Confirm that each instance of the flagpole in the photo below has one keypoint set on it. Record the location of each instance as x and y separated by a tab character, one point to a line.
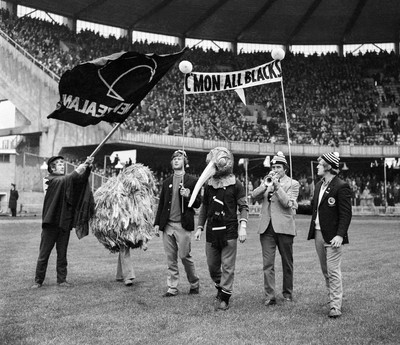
97	149
287	129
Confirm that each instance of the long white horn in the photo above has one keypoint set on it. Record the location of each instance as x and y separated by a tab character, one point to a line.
207	173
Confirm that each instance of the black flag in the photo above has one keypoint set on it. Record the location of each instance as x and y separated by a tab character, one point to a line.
109	88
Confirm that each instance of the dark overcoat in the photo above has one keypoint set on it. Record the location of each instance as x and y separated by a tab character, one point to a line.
12	202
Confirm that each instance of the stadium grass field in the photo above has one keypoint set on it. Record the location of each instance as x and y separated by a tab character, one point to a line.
99	310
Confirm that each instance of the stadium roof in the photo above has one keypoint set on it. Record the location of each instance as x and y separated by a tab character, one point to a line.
287	22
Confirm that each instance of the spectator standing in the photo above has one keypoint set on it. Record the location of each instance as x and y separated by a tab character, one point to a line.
12	202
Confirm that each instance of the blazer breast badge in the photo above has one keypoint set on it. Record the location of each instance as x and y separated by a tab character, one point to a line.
331	201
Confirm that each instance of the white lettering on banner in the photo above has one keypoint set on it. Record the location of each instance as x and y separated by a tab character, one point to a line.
197	82
94	109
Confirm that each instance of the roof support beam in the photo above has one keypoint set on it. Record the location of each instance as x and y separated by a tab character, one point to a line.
303	21
150	13
353	19
89	7
206	15
255	19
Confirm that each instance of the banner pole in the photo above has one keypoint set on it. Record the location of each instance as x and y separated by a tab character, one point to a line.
183	120
183	137
287	129
97	149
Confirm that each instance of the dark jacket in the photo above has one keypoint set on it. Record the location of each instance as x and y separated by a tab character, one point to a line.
234	200
60	200
164	205
334	210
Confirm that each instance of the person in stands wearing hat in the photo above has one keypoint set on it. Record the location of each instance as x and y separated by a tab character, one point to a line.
278	194
58	216
176	221
331	217
12	202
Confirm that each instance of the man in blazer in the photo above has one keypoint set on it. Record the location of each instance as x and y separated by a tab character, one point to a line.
277	226
176	220
331	216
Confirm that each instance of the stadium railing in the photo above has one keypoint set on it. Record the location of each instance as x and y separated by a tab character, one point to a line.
24	52
245	147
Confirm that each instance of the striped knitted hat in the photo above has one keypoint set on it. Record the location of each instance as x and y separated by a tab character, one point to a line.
332	158
279	158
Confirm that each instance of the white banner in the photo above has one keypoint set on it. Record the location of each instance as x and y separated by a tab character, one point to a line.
197	82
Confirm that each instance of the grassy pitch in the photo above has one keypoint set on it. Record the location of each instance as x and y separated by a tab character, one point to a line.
99	310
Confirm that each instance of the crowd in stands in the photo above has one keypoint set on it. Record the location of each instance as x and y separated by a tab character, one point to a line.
330	100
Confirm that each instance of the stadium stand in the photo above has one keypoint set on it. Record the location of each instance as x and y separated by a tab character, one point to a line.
331	100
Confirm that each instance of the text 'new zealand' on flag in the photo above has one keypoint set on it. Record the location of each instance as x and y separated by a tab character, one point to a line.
109	88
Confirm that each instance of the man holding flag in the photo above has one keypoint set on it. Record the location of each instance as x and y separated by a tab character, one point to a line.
59	208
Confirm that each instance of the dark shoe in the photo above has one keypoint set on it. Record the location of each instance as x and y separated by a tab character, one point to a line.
128	282
223	306
36	286
194	291
119	280
288	299
334	313
269	302
65	284
169	294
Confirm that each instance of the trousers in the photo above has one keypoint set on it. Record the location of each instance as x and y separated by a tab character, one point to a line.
269	241
60	238
330	260
177	241
221	264
125	269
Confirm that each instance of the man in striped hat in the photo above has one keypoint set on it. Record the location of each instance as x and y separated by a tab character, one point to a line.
331	216
277	229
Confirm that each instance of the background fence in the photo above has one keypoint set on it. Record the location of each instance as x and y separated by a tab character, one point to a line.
31	171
